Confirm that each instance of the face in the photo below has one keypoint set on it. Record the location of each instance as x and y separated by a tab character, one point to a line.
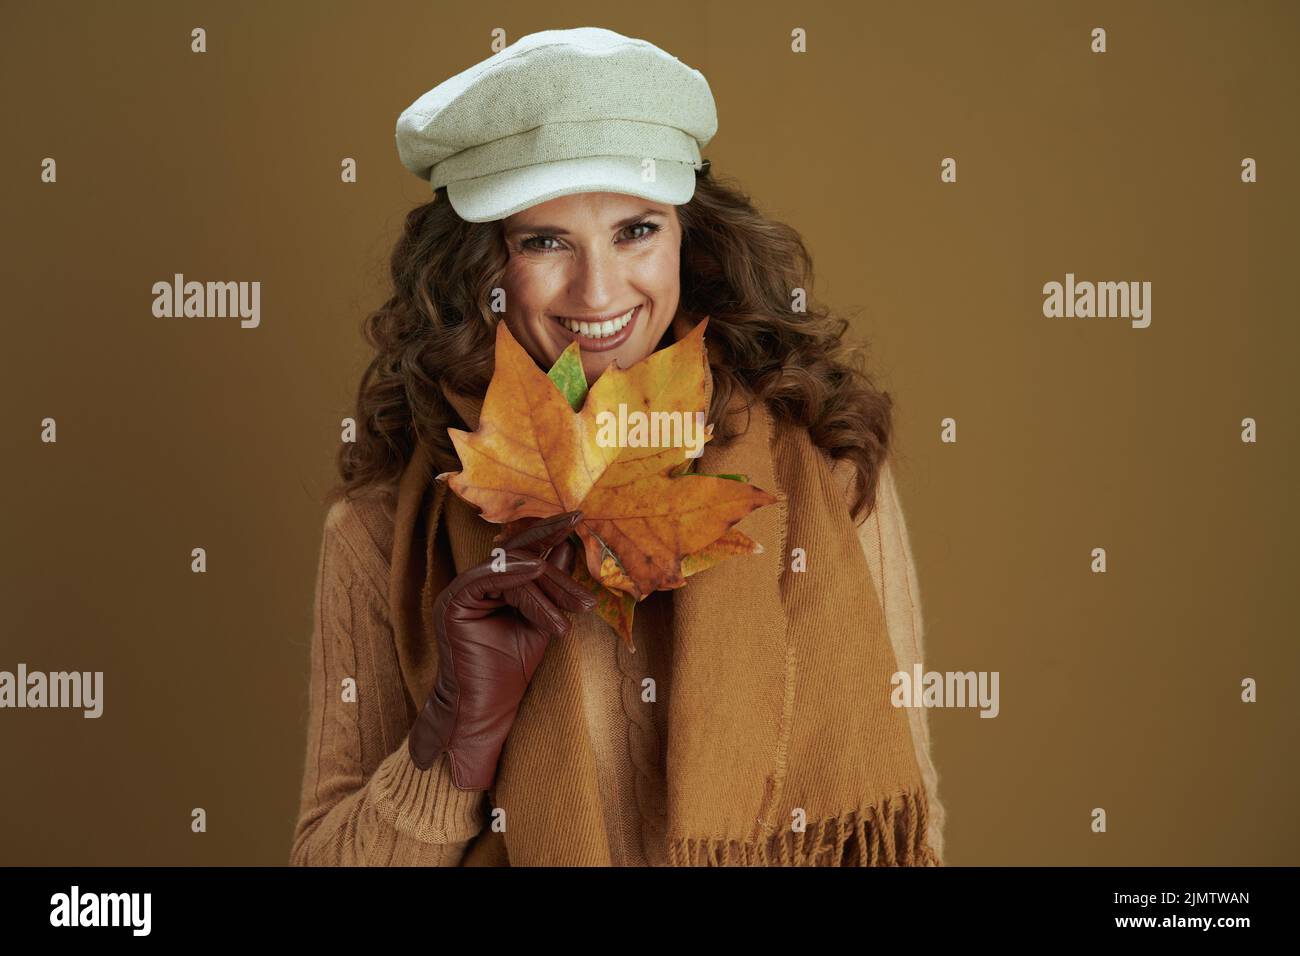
598	268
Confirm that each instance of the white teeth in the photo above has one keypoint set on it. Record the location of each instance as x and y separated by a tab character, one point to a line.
599	330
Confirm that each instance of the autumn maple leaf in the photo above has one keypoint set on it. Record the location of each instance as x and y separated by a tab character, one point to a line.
543	446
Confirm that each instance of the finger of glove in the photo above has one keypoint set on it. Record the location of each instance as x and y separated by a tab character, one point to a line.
545	533
538	609
562	554
561	588
481	581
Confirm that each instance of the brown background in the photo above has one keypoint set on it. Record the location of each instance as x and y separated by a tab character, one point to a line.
1118	690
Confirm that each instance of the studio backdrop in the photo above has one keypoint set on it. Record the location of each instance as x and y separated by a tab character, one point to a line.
1064	231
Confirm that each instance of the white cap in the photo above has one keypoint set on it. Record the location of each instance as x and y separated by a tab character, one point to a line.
561	112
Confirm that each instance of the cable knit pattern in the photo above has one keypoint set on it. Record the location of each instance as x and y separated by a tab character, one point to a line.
364	802
342	658
644	740
626	731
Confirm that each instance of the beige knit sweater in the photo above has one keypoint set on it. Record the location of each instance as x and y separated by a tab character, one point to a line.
364	802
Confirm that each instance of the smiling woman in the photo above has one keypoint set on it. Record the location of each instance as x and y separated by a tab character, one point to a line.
753	724
601	268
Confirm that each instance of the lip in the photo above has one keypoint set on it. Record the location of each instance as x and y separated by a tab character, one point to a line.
588	344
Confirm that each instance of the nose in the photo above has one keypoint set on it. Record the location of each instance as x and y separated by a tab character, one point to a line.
594	281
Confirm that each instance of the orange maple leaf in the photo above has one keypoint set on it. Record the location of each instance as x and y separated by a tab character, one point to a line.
647	522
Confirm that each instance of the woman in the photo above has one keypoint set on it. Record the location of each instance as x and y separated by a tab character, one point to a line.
465	715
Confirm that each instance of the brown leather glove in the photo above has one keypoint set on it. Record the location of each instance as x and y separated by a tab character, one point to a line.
492	628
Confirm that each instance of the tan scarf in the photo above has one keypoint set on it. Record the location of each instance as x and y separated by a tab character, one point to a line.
780	684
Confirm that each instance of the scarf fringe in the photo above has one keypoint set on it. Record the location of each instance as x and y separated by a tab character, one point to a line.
892	833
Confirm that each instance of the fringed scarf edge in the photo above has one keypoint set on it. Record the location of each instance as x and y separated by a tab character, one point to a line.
891	833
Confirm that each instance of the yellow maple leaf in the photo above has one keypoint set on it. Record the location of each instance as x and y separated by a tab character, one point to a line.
647	524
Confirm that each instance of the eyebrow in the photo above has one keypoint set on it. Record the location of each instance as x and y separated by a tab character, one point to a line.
561	231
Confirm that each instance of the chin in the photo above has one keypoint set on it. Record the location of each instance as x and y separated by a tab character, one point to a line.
593	363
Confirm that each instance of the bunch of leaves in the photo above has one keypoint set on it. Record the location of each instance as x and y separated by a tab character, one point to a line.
648	521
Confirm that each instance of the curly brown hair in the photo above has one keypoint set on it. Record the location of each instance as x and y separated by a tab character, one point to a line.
738	267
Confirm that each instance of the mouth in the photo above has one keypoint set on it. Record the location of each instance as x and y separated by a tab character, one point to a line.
599	336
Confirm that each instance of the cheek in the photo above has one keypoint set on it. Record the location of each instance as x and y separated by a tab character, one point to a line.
535	336
662	268
527	294
661	279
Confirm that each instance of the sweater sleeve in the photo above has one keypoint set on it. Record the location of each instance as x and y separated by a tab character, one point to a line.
888	550
364	802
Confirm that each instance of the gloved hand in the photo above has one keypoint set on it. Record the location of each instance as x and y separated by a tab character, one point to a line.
492	628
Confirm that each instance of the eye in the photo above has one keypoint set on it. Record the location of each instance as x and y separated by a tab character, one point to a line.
528	243
652	227
531	243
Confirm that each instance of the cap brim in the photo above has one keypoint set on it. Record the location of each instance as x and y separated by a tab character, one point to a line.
503	194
